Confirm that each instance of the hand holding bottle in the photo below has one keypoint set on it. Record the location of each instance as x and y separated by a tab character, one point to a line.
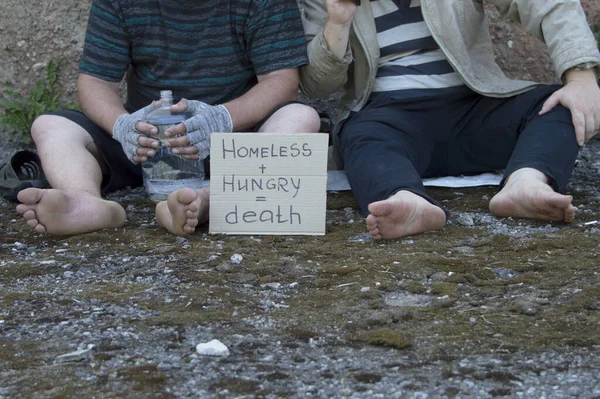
130	130
196	130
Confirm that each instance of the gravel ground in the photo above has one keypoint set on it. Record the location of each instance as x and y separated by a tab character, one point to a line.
485	308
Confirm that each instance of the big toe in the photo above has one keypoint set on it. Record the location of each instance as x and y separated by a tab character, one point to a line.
560	201
185	196
30	196
380	208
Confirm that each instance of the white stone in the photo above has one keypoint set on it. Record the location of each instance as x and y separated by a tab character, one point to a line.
75	356
39	66
236	259
213	348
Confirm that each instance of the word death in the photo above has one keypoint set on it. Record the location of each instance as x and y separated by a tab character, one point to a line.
265	216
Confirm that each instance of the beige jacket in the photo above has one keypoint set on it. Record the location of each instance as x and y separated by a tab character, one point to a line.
460	27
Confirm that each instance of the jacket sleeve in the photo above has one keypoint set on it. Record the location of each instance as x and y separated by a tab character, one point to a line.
325	73
561	24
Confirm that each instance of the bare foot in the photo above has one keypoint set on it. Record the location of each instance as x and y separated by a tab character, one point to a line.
403	214
183	210
527	194
68	213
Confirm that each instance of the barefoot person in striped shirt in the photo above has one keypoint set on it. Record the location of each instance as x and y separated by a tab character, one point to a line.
424	97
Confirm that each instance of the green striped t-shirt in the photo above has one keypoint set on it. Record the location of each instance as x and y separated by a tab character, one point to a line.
203	50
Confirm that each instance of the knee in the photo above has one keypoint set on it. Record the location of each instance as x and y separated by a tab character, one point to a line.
308	117
295	118
46	127
39	127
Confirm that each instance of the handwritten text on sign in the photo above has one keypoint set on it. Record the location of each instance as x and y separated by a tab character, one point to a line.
268	183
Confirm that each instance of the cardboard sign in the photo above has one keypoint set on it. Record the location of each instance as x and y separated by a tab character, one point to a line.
268	183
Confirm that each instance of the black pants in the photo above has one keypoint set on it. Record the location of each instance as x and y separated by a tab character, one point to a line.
391	144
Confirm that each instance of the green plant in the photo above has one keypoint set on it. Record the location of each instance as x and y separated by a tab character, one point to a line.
21	111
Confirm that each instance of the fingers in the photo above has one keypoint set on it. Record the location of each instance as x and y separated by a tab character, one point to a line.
189	150
146	128
181	106
181	141
579	124
550	103
176	130
149	142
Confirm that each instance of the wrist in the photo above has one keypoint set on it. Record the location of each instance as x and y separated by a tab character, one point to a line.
336	38
227	119
582	71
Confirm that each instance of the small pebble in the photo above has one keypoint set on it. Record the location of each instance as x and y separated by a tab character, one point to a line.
213	348
236	259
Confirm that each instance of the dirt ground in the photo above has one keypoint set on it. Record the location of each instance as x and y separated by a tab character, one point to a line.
484	308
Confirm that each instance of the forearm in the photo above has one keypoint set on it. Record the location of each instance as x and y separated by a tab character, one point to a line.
100	101
561	24
337	37
326	73
270	91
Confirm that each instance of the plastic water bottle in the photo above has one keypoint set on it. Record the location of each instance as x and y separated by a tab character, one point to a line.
166	172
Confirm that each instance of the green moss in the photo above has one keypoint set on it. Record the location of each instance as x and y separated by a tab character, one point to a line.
415	288
19	355
144	376
586	299
236	386
443	289
116	293
384	337
339	271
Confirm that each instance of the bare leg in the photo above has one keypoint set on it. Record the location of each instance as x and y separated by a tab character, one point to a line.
527	194
70	163
293	118
403	214
183	211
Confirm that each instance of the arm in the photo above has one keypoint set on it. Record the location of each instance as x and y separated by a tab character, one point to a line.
561	24
327	28
99	100
563	27
272	89
581	95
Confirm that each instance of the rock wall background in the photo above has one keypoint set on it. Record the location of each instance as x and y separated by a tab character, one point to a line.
33	33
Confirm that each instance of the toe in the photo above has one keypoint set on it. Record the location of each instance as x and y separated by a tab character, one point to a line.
30	196
29	215
192	222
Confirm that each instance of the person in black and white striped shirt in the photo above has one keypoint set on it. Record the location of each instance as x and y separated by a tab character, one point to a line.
424	97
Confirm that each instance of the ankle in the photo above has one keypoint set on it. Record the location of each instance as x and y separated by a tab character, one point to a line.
527	175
